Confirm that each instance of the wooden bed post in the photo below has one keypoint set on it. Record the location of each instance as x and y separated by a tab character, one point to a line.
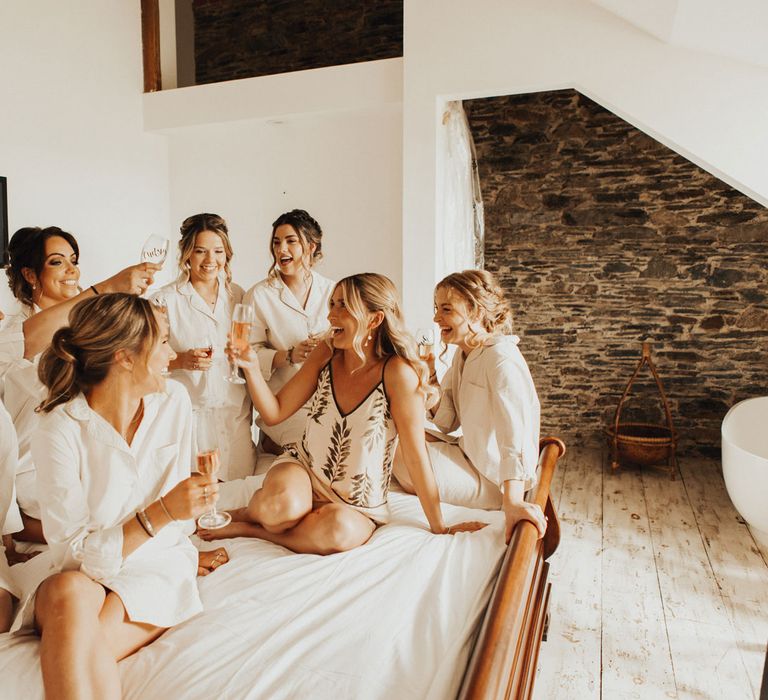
150	41
503	662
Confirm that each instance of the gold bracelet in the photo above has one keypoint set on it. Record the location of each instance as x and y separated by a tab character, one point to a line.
146	523
165	509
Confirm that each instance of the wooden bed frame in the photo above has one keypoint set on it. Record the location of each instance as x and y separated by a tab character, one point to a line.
504	658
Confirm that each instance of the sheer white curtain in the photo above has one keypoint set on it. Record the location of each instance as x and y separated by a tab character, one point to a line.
461	222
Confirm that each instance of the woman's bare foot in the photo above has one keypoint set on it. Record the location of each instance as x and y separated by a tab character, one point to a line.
239	515
237	528
208	562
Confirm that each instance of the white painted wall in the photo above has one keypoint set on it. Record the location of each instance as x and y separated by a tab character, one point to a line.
72	142
345	169
712	109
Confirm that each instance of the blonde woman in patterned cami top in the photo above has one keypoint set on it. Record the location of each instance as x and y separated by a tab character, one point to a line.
367	389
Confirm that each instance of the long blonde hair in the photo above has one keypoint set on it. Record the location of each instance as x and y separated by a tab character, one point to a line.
368	293
485	301
81	354
198	223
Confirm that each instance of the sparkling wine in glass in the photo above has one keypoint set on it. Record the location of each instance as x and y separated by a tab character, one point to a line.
242	318
425	337
161	305
154	250
206	346
208	464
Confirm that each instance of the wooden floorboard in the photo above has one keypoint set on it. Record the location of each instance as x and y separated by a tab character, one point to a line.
572	653
637	662
659	590
737	564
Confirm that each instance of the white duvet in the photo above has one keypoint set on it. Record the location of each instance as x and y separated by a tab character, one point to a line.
392	619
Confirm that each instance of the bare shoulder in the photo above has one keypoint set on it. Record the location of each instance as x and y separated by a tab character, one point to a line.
400	376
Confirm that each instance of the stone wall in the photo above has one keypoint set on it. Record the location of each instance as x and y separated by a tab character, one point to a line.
604	237
246	38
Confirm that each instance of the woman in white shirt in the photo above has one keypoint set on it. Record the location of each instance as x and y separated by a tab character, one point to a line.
113	465
290	308
488	392
200	304
44	276
9	512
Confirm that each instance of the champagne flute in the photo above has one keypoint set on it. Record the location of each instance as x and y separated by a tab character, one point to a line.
206	345
208	464
154	250
425	337
242	318
161	305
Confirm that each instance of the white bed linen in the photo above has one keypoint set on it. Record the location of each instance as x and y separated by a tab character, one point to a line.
391	619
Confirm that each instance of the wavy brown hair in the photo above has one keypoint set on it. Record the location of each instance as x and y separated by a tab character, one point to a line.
81	354
308	231
26	249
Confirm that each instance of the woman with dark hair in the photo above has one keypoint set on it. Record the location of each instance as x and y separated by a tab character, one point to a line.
368	390
44	276
290	308
200	305
113	463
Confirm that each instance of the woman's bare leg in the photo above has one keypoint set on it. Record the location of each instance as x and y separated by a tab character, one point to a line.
283	500
81	638
331	528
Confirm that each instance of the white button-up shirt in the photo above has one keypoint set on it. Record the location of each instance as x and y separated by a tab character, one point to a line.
491	395
22	393
281	323
9	457
9	511
91	482
192	324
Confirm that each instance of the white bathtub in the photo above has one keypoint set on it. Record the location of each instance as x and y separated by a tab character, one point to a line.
745	462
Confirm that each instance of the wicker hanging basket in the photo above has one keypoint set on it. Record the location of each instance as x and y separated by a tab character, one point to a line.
645	444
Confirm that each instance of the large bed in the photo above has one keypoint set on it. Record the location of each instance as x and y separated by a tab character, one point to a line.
408	615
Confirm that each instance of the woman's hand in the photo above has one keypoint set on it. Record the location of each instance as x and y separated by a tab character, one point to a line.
192	497
193	360
302	351
430	360
469	526
15	557
208	562
516	511
132	280
241	355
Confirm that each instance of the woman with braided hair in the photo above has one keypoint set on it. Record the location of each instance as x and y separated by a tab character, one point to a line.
488	392
113	462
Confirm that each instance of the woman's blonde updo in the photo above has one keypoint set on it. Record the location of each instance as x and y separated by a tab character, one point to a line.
198	223
81	354
485	300
367	293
